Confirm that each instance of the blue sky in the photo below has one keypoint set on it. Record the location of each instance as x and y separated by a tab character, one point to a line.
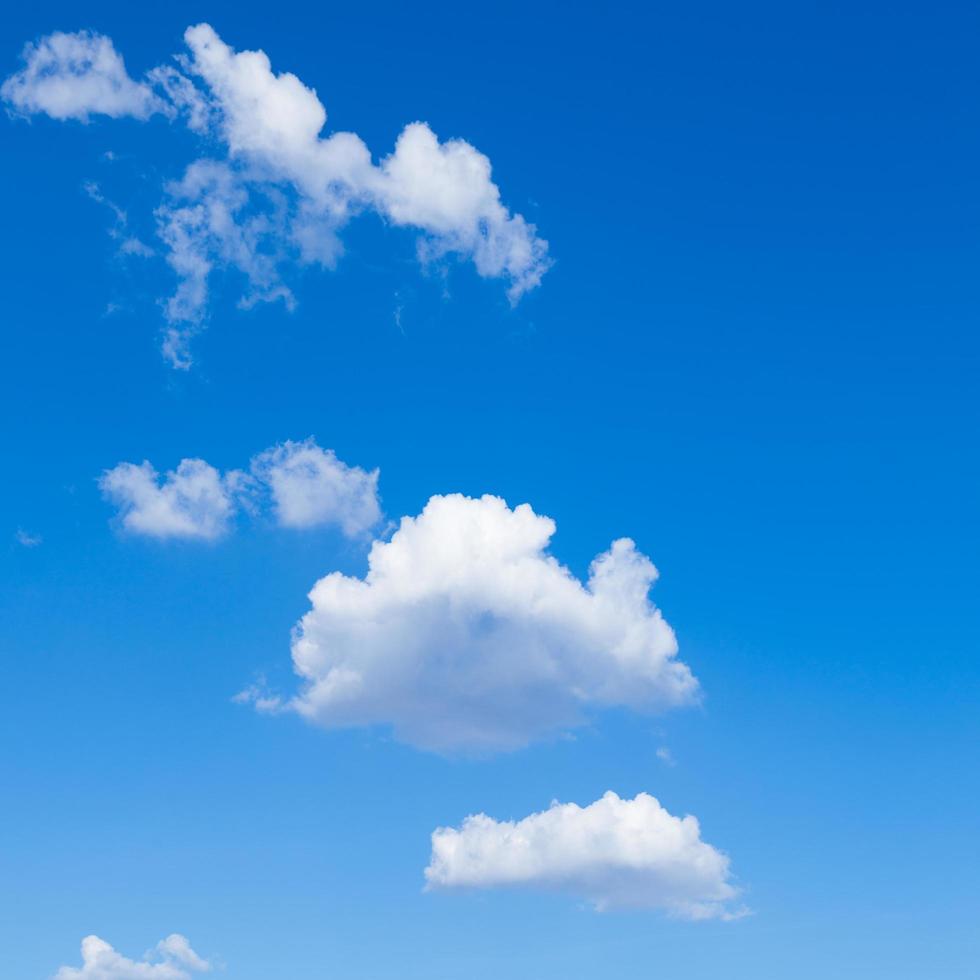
754	354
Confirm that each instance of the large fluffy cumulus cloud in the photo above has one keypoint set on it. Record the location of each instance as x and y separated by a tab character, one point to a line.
172	959
613	853
466	635
282	191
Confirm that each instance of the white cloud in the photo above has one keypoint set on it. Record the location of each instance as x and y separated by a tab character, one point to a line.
308	486
73	76
172	959
613	853
284	191
193	501
445	189
311	487
467	635
27	540
133	246
187	100
129	245
203	225
274	121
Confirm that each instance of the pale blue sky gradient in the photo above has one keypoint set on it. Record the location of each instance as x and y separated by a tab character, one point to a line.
756	355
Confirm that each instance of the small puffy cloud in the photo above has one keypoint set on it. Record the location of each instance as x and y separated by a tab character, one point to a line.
311	487
27	540
274	121
185	99
466	635
445	189
193	501
614	853
282	191
306	485
73	76
171	959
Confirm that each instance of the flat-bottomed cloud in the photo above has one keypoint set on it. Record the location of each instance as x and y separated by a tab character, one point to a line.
466	635
614	853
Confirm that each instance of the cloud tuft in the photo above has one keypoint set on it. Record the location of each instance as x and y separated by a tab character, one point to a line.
307	486
74	76
27	540
193	501
171	959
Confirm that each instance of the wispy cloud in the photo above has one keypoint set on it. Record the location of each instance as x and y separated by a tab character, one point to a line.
26	539
281	193
119	230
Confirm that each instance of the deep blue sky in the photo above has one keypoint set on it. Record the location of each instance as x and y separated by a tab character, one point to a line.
756	355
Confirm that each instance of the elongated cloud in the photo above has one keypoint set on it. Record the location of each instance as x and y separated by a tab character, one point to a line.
172	959
466	635
282	191
306	486
74	76
612	853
